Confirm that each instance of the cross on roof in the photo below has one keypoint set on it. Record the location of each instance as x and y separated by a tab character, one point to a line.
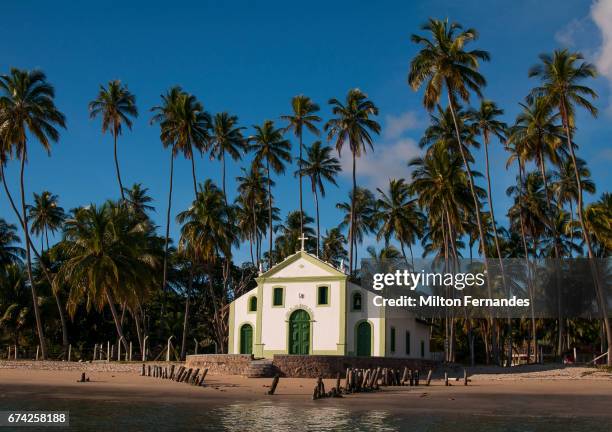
302	238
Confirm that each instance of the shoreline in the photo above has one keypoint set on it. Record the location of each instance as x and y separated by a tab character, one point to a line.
554	392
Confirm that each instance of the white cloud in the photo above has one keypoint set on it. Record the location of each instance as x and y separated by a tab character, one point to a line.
389	160
568	36
601	14
395	126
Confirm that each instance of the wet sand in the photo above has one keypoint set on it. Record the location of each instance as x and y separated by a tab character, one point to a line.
549	392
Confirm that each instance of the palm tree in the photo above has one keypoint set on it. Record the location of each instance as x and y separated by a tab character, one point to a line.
599	222
226	137
333	250
27	109
303	116
45	215
108	259
138	201
287	242
399	216
252	192
271	149
487	125
116	104
319	165
562	74
10	253
353	125
444	62
361	210
565	186
207	232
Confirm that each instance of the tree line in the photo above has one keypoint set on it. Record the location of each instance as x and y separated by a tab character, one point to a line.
113	272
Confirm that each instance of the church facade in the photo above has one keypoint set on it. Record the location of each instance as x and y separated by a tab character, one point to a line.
306	306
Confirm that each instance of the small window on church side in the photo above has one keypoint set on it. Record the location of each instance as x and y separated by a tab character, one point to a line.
323	295
277	299
356	301
253	304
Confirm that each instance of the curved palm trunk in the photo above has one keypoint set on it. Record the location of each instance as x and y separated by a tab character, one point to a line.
186	317
60	309
496	237
118	327
39	327
193	175
269	213
165	271
223	175
351	227
316	197
117	165
587	239
476	209
534	334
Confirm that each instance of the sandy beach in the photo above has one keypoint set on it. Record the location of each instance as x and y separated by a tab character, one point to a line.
528	391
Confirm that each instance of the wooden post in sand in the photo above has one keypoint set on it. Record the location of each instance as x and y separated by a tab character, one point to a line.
95	351
130	357
203	376
338	382
274	384
446	378
69	352
465	378
119	349
429	376
37	350
15	352
107	351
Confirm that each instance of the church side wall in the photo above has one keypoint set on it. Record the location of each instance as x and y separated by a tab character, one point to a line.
368	313
241	316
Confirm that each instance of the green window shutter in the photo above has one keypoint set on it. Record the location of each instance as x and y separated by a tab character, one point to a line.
407	343
323	295
357	301
278	297
392	339
253	304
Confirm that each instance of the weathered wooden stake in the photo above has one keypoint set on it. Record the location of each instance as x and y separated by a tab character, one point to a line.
37	349
338	382
15	352
130	356
405	375
416	379
148	370
171	372
203	376
69	352
429	376
465	377
107	350
446	378
274	384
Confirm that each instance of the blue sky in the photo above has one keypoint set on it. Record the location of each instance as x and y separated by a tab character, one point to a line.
250	58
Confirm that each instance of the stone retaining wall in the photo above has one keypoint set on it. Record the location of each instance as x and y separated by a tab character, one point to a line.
218	364
312	366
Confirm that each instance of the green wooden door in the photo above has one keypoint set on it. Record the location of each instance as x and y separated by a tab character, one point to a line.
246	339
364	339
299	332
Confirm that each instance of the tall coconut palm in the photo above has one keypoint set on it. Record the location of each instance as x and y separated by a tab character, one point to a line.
565	186
353	125
485	121
599	222
116	104
252	192
271	151
138	201
361	212
319	166
45	215
107	260
27	108
226	138
562	75
303	116
207	232
287	241
333	250
399	216
443	62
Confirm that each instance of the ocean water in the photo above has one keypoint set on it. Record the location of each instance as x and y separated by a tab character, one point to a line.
89	415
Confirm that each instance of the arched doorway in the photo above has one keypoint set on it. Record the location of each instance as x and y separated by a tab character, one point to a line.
246	339
299	332
364	339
